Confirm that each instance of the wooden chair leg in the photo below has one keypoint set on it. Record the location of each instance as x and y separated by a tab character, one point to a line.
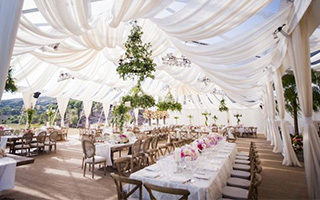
92	170
105	166
84	170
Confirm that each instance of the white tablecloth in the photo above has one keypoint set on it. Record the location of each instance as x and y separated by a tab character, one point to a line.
214	164
104	150
7	173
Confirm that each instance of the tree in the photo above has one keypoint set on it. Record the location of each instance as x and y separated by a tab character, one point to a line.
291	99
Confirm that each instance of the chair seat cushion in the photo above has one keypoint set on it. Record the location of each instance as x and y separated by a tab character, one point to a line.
19	146
97	159
241	167
238	182
240	174
37	145
234	192
239	161
243	154
242	157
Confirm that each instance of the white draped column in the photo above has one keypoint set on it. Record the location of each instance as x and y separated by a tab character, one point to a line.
136	115
87	110
10	11
62	105
299	55
273	128
106	108
290	158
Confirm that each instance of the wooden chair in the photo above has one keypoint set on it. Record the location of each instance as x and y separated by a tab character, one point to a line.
153	151
120	180
174	191
25	143
136	156
52	141
145	149
39	144
89	150
64	133
123	166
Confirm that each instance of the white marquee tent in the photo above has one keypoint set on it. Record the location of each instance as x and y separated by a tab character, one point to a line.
235	46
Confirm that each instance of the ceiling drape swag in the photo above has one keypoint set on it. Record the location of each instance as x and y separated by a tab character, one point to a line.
10	11
87	105
62	105
290	157
28	100
299	54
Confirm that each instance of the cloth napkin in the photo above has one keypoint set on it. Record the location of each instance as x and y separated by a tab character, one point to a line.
219	162
149	174
202	176
179	179
211	168
153	168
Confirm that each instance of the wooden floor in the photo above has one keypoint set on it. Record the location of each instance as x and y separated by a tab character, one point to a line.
59	176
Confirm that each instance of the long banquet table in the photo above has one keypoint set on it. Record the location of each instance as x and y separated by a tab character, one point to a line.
204	178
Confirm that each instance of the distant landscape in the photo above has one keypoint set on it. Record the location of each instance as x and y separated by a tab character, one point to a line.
11	112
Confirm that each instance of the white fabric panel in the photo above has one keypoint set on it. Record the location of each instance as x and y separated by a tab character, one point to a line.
299	54
290	157
28	100
273	128
106	107
87	110
70	17
10	11
62	105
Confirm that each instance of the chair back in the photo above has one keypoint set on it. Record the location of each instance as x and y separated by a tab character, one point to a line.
154	142
136	146
89	149
146	144
182	192
27	138
53	136
41	137
120	180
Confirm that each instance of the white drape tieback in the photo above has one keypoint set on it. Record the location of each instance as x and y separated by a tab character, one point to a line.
307	121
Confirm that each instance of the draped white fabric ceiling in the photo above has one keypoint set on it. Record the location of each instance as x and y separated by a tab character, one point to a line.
231	42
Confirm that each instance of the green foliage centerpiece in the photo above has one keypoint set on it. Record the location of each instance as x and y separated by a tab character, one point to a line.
215	119
30	114
223	107
120	115
238	116
206	114
50	112
190	118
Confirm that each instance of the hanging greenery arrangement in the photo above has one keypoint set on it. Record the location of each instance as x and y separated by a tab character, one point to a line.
137	61
138	99
10	84
223	107
169	104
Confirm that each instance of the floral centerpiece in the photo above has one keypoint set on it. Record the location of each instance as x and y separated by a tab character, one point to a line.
120	139
1	128
199	143
30	114
188	151
297	143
